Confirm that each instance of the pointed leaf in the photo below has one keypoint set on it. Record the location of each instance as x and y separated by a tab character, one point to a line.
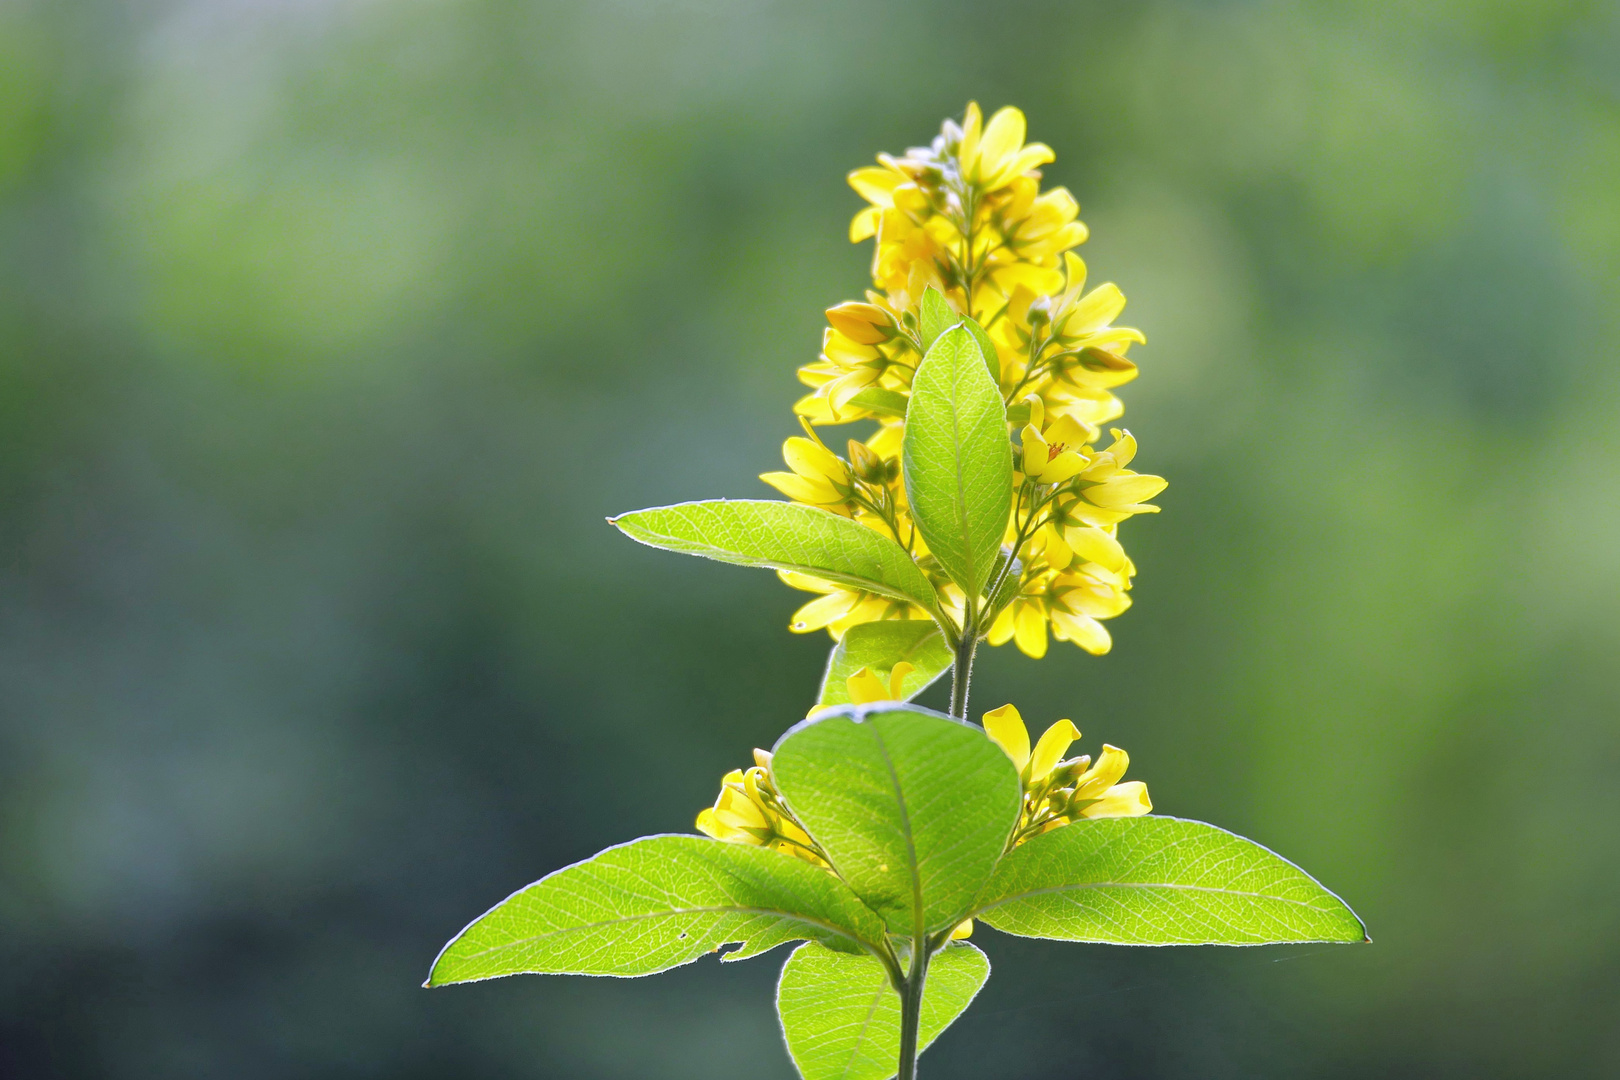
912	808
1159	881
841	1018
935	316
783	536
654	904
987	348
879	646
878	400
958	460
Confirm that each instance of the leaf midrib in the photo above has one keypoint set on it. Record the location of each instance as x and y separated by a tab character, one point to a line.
969	555
911	841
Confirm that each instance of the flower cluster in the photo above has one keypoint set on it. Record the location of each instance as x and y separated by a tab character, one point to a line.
749	811
965	216
1058	791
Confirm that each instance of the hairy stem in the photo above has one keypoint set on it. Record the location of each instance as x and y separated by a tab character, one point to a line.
962	671
911	1008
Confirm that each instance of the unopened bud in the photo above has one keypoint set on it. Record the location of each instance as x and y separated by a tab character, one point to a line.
1040	311
866	464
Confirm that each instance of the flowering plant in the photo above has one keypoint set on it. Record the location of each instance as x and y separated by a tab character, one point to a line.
981	507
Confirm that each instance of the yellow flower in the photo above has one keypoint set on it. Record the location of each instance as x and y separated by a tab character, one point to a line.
1053	453
865	687
1073	602
819	477
839	608
749	811
1056	791
966	215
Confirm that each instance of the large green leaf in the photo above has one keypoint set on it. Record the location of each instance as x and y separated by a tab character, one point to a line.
912	808
783	536
958	460
653	904
879	646
1159	881
841	1018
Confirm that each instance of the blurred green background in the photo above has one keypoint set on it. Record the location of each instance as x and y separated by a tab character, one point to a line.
330	331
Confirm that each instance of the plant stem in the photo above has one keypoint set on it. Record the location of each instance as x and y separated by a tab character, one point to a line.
911	1008
962	671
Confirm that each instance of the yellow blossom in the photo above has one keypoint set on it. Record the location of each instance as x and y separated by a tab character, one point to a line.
749	811
839	607
819	476
1056	791
865	687
966	215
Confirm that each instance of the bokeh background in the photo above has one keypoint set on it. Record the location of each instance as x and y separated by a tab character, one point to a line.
330	331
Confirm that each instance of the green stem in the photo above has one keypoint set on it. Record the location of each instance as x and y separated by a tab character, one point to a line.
962	670
911	1008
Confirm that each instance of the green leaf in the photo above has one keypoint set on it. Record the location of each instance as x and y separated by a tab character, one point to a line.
879	646
935	317
958	460
987	348
1159	881
654	904
912	808
878	400
783	536
841	1018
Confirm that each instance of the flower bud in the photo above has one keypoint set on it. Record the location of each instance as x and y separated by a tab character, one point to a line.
865	464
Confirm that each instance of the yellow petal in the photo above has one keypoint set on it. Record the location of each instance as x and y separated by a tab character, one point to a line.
1094	545
876	185
863	226
1001	631
841	389
998	149
1030	630
738	810
1083	631
810	459
1065	466
1036	451
799	489
1037	411
963	931
1054	549
823	612
1122	800
1125	488
865	687
1109	769
1123	448
1053	744
1006	727
707	825
972	125
897	679
1033	156
1074	272
1097	310
762	758
861	323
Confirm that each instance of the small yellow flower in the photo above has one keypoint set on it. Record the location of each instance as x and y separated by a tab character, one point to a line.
1053	453
839	608
865	687
749	811
819	477
1056	791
